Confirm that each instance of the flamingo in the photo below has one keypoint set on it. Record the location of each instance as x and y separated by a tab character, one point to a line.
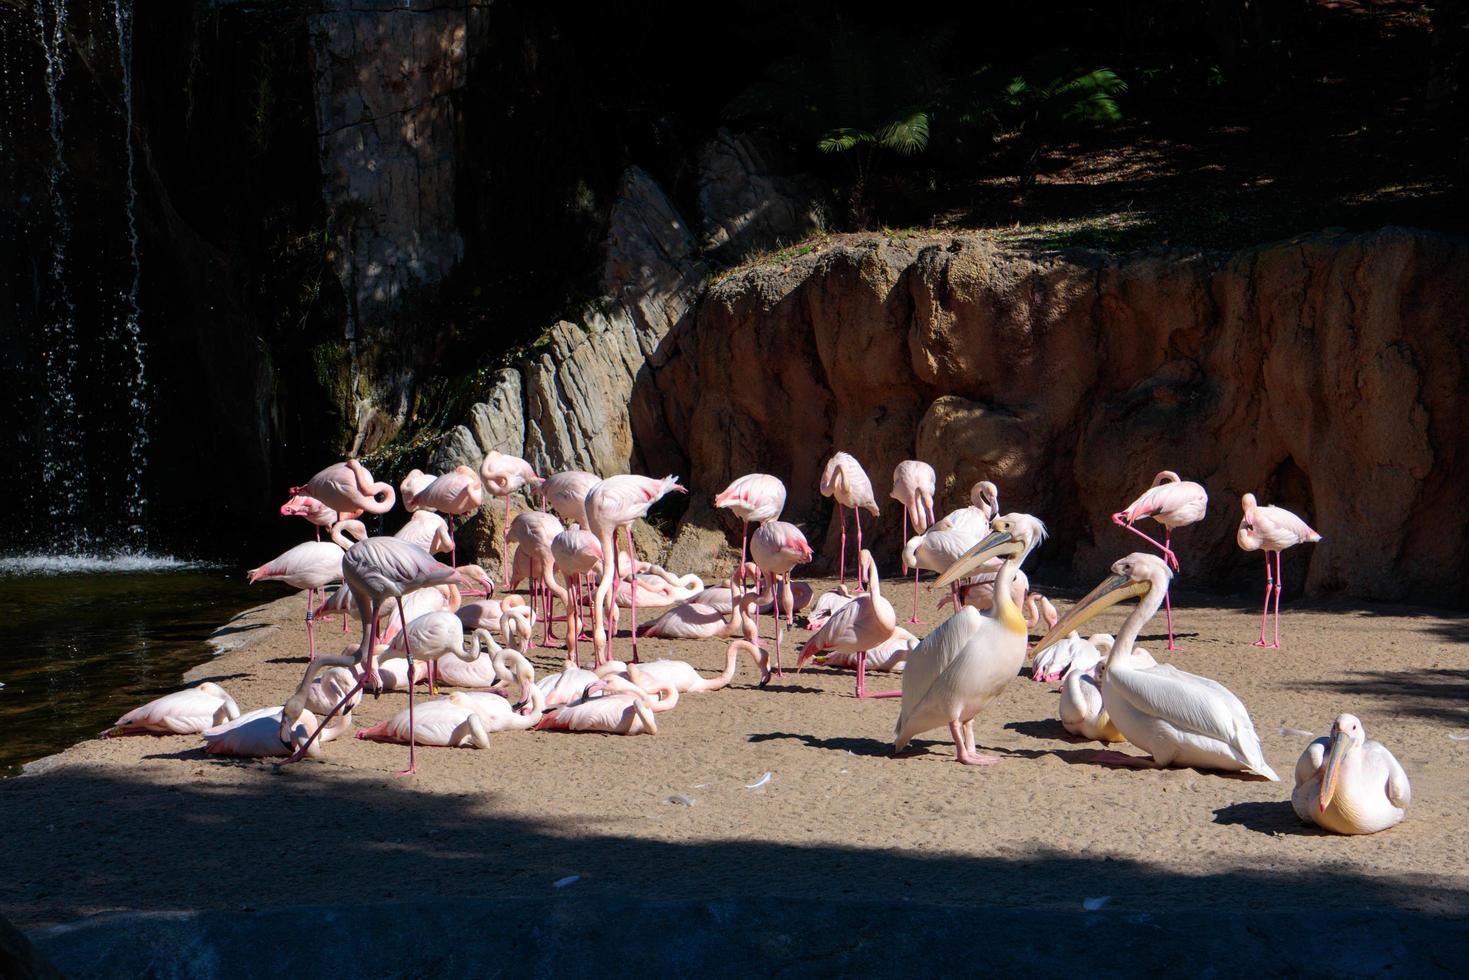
457	493
614	714
348	486
696	621
333	685
778	547
1055	661
1179	718
495	614
567	494
1271	529
486	671
532	534
497	713
891	656
939	547
416	481
310	565
611	505
985	496
263	734
318	513
440	634
376	570
439	598
722	597
567	686
1173	503
502	475
427	530
1349	784
393	672
971	658
846	481
575	552
829	603
186	712
450	722
914	484
857	627
757	497
682	676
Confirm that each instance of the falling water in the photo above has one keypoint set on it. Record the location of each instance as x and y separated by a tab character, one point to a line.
136	503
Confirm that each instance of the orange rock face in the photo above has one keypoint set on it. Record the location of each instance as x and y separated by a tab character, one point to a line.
1325	374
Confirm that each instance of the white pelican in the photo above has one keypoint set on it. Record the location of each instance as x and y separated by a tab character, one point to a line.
1082	710
964	664
1179	718
1348	784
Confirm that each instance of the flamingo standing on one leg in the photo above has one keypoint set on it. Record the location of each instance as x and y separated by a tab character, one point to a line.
1173	503
778	547
1271	529
611	505
415	482
348	486
846	481
914	484
757	497
457	493
310	565
576	552
532	534
318	513
504	474
376	570
857	627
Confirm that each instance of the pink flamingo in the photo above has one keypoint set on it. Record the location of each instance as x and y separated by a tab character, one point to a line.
757	497
778	547
985	496
611	505
857	627
348	486
262	734
1173	503
940	546
846	482
568	686
532	534
310	565
376	570
502	475
576	552
1271	529
891	656
427	530
186	712
696	621
681	675
658	587
722	597
330	686
567	494
914	484
829	603
457	493
446	722
416	481
615	714
437	635
318	513
495	614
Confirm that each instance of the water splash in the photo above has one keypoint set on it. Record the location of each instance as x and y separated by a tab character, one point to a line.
91	564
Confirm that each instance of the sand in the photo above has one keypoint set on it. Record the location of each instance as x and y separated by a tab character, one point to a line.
151	823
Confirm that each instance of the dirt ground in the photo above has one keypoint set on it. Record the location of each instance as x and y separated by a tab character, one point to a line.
154	824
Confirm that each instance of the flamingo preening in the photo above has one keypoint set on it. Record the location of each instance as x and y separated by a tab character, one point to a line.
757	497
914	484
847	482
532	533
501	475
778	547
862	624
457	493
1271	529
1173	503
348	486
186	712
611	505
576	552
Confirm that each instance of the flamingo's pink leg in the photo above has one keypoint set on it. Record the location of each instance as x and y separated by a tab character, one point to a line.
1167	552
453	545
1279	583
861	574
300	753
1265	616
633	584
744	540
842	555
505	544
1168	596
412	736
310	624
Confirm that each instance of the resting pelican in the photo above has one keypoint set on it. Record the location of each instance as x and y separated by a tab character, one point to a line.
964	664
1081	709
1179	718
1349	784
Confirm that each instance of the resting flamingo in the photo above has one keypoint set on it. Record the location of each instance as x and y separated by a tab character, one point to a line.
681	675
532	533
318	513
914	484
457	493
846	481
1173	503
310	565
502	474
333	685
971	658
262	734
757	497
611	505
1271	529
1348	783
376	570
629	713
696	621
778	547
348	486
857	627
828	603
416	481
186	712
441	634
1179	718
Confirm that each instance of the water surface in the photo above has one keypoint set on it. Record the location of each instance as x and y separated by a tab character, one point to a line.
85	638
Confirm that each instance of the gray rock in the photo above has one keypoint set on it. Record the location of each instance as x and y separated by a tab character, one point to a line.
746	207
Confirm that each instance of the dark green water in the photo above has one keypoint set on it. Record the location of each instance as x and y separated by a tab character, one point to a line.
84	640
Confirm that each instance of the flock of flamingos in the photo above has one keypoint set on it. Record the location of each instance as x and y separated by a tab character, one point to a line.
424	621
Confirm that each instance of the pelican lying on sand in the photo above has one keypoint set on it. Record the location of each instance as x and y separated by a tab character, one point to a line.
1349	784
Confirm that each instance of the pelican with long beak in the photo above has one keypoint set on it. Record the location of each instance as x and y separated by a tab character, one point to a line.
1349	784
965	663
1181	719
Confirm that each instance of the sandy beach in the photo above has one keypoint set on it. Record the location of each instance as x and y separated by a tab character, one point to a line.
152	823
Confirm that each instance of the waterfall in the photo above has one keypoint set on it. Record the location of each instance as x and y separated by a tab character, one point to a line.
136	502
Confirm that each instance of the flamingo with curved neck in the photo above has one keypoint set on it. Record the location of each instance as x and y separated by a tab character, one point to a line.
348	486
859	626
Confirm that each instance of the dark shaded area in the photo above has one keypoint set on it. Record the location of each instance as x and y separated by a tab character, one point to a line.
507	910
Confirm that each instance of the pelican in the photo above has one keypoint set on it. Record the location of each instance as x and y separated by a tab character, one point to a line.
1349	784
1081	709
965	663
1179	718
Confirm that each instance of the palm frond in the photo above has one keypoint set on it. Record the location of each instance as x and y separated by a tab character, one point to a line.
906	135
